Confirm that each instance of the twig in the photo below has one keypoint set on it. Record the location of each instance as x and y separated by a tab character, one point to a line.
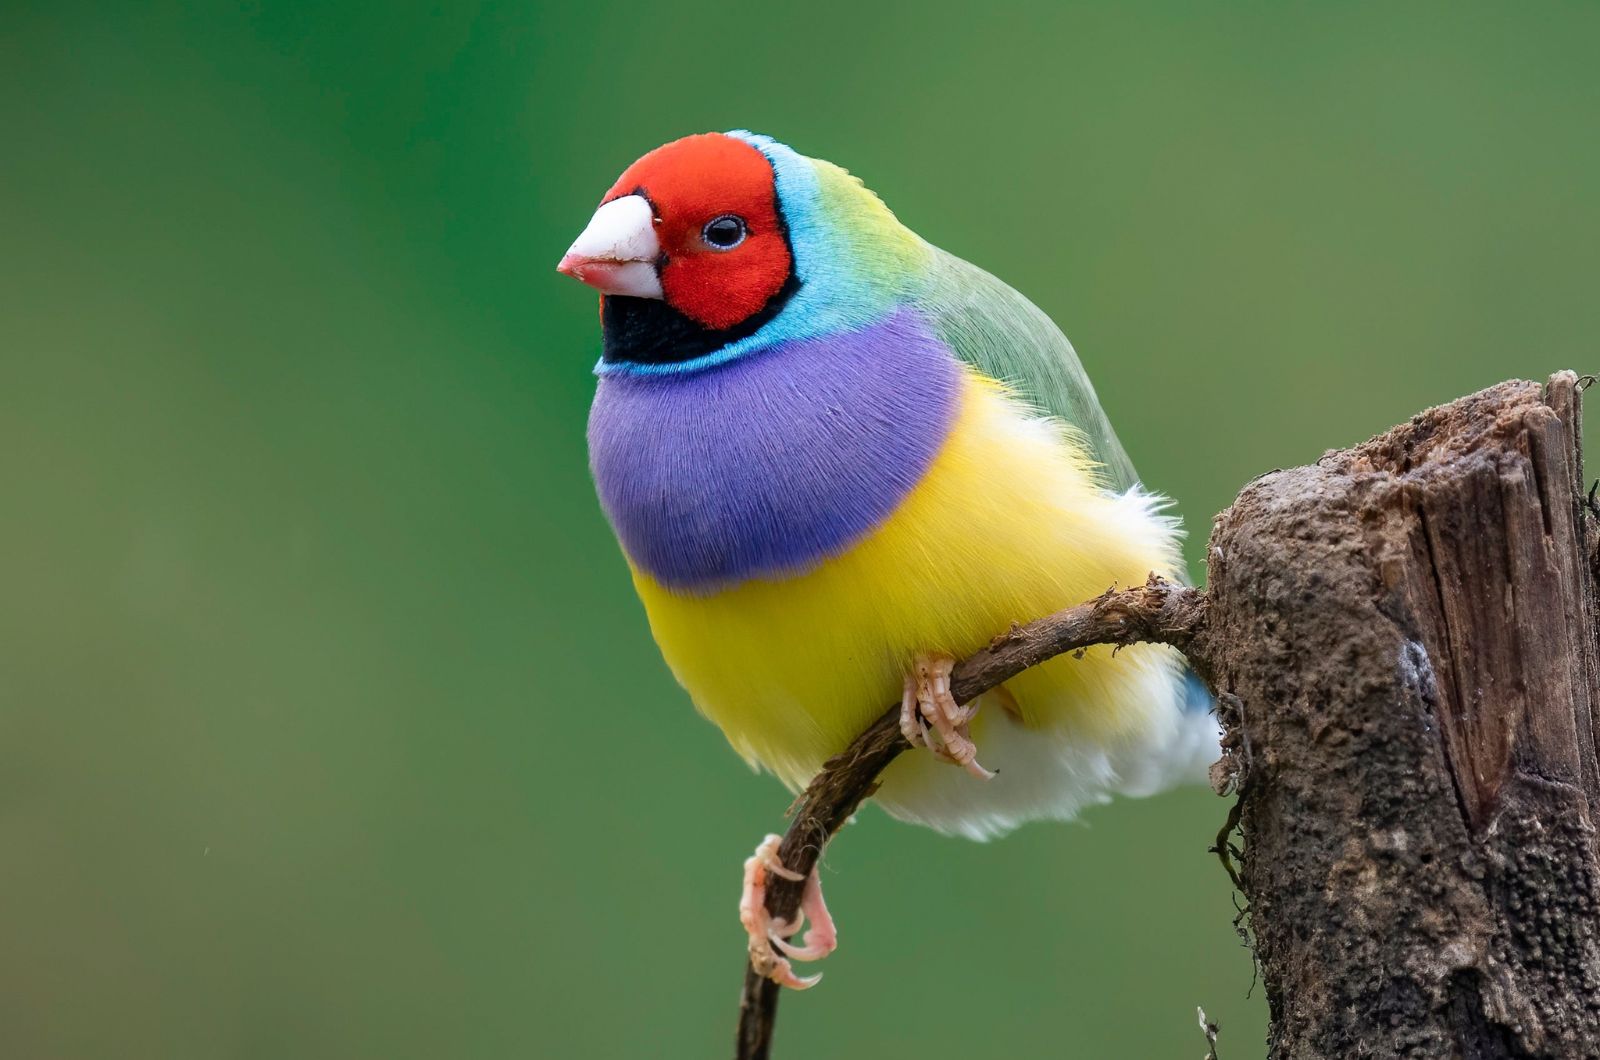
1156	612
1209	1028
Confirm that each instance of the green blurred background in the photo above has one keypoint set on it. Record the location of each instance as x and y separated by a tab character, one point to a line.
330	727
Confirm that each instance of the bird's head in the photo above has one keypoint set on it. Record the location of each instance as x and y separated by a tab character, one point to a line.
714	244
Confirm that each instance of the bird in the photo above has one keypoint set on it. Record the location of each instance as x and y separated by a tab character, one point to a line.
837	459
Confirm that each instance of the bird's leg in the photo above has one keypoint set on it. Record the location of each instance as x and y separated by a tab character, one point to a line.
768	936
929	685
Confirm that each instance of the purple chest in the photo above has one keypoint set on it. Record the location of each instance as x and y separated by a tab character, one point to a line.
769	464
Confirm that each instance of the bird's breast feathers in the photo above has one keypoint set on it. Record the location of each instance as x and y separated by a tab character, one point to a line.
798	529
767	465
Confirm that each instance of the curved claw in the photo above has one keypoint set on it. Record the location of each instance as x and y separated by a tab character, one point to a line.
784	975
822	939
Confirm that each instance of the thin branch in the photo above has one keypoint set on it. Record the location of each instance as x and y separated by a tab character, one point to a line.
1158	611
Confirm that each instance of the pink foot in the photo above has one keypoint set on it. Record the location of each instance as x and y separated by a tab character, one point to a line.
768	936
928	699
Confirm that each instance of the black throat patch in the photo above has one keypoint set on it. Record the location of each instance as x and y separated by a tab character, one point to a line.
649	331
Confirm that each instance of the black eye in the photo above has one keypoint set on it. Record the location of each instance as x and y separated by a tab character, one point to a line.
725	232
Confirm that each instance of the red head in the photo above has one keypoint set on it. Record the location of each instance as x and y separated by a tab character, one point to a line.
695	225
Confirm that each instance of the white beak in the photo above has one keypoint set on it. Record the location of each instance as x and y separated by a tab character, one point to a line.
617	253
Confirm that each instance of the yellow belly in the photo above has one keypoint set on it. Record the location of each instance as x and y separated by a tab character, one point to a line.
1008	524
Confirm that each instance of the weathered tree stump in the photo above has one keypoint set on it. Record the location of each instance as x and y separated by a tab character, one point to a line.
1404	636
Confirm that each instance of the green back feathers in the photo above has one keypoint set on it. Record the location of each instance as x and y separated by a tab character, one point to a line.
884	258
1003	335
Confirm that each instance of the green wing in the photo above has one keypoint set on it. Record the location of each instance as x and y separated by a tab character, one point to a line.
1005	336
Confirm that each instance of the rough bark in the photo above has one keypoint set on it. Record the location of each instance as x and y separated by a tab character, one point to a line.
1404	637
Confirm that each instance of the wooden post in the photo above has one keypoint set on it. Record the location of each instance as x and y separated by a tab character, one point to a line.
1404	637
